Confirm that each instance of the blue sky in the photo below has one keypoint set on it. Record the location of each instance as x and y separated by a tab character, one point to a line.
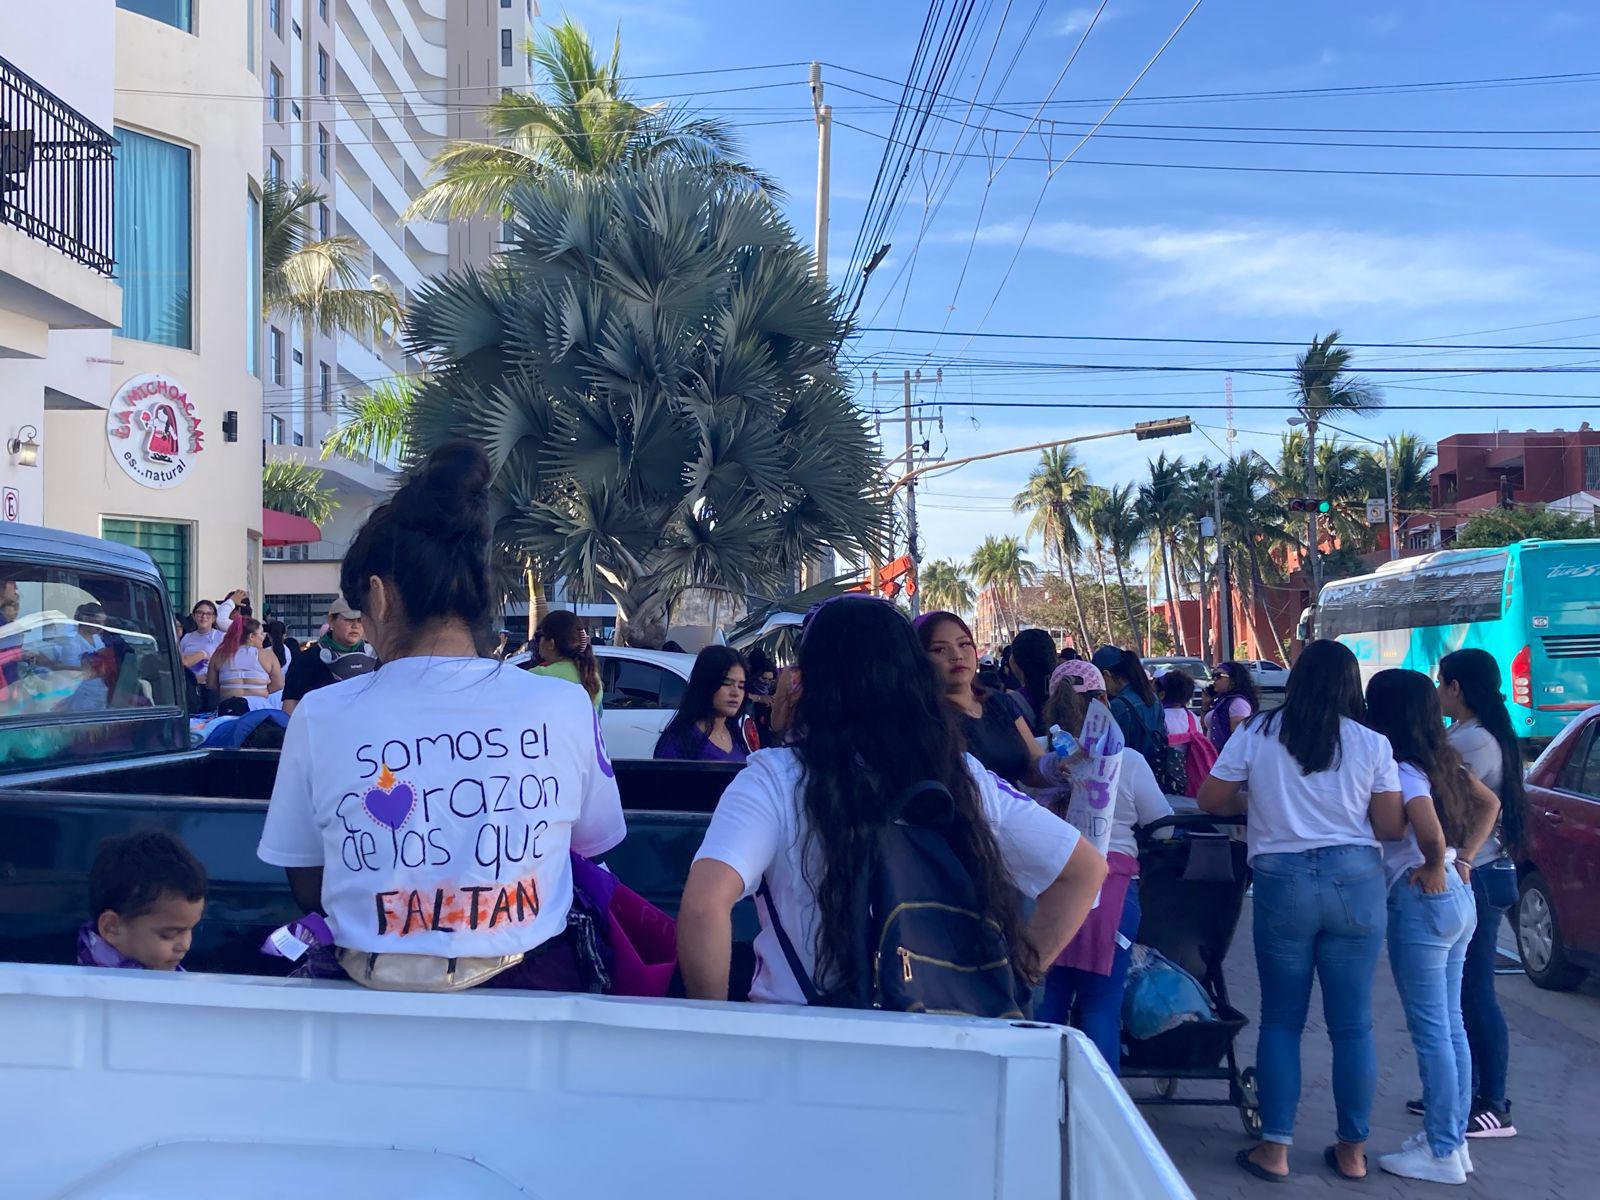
1183	253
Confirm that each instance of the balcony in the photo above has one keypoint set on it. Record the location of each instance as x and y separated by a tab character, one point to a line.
56	229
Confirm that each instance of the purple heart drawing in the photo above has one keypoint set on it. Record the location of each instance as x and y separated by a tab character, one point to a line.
389	802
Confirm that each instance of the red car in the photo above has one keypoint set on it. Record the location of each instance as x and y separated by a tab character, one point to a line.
1557	918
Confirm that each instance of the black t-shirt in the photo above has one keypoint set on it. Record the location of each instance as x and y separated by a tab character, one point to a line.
993	738
312	669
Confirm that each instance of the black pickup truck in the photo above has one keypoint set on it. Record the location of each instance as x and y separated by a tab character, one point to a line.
95	740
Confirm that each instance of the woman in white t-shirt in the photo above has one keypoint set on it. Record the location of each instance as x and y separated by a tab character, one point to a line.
1431	912
429	808
870	727
1322	790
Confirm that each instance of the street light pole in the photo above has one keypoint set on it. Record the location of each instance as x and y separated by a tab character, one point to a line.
824	118
1388	484
911	506
1224	581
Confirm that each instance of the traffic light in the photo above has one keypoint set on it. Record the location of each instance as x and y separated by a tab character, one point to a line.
1309	504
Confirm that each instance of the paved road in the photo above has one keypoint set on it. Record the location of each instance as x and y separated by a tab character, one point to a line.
1555	1091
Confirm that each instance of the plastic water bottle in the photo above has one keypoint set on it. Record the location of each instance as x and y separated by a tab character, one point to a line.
1063	743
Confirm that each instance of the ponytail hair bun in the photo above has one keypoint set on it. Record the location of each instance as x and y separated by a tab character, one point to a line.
449	494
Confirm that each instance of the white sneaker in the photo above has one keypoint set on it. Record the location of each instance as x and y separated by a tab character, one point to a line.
1465	1156
1419	1162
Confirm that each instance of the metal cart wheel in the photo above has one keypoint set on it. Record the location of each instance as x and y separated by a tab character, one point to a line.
1249	1102
1166	1088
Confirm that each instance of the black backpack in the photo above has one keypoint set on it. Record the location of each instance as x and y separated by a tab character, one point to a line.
921	942
1167	762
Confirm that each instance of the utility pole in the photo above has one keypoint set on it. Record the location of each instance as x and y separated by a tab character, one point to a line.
1313	558
911	503
915	459
824	118
1224	581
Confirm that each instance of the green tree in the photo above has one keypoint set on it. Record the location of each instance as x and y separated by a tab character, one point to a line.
1090	511
1123	530
588	126
312	279
1254	528
1165	504
650	369
1001	564
295	487
1410	460
376	425
1502	526
944	585
1055	486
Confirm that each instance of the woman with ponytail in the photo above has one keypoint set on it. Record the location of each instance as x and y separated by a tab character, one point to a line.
1480	730
428	808
564	652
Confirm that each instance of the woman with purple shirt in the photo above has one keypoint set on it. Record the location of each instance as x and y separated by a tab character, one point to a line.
1234	701
707	726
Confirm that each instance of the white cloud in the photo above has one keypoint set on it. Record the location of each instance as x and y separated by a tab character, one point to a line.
1384	24
1077	20
1280	269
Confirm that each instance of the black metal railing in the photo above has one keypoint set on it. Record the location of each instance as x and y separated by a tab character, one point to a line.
56	170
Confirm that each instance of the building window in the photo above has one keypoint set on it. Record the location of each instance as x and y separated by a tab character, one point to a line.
322	9
303	614
324	221
275	167
299	439
505	47
294	26
152	229
275	16
325	386
166	542
275	349
1591	468
275	94
324	152
299	360
177	13
275	430
252	284
322	71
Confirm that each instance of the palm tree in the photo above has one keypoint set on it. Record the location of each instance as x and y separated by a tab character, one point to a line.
1119	517
1090	512
312	279
1410	459
1001	564
375	426
1164	505
589	126
1322	388
1055	486
295	487
1339	477
944	585
1254	523
650	368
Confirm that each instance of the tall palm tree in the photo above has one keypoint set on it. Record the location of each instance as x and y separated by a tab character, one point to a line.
1410	459
1000	563
1164	504
588	126
1254	521
1055	486
1340	477
1323	387
944	585
312	279
375	426
1090	512
1123	531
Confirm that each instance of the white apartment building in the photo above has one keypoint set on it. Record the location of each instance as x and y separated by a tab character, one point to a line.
360	94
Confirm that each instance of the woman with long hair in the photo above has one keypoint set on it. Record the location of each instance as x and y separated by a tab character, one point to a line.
993	727
431	808
1033	657
1431	913
278	642
708	725
1133	703
244	673
1323	791
870	727
564	652
1234	700
1481	732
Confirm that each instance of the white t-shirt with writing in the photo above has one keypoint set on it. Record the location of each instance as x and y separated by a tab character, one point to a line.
1139	802
1402	855
759	829
441	797
1290	811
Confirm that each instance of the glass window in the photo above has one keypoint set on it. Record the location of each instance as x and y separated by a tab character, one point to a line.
1581	772
322	9
177	13
275	348
275	167
324	221
1591	468
303	614
628	683
325	386
252	284
275	94
275	16
505	47
275	430
152	223
322	71
324	147
166	542
299	359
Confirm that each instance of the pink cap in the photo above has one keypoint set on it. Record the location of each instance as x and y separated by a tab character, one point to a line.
1085	676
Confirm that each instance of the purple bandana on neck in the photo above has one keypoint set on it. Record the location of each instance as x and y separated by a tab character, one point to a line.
95	951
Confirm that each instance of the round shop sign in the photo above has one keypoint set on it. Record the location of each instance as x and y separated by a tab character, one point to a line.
153	430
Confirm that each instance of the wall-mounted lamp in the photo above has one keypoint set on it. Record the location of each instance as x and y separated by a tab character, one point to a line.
230	425
24	447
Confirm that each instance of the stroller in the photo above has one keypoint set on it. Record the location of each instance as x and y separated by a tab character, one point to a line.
1192	883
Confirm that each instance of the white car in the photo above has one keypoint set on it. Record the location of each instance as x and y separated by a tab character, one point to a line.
1272	679
639	692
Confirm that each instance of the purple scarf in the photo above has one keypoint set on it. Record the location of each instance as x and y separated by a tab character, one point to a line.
95	951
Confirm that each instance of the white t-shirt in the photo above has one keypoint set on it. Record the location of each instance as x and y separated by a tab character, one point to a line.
441	797
758	829
1139	802
206	643
1177	724
1402	855
1290	811
1487	765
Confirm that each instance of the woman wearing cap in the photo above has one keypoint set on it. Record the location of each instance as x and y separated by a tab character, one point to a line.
340	653
1133	701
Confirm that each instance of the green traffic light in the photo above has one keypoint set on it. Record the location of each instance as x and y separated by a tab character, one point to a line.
1324	506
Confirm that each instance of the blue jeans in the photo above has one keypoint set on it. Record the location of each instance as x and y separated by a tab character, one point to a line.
1480	1009
1094	1002
1428	938
1317	911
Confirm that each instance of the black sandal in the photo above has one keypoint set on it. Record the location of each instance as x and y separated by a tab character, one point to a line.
1330	1155
1252	1167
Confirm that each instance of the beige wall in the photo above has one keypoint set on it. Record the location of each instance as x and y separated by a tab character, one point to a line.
221	497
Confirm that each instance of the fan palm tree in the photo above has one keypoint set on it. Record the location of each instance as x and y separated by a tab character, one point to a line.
944	585
312	279
588	126
1001	564
295	487
1164	505
650	369
1055	485
1323	387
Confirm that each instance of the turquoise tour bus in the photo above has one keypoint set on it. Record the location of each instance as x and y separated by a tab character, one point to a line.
1534	605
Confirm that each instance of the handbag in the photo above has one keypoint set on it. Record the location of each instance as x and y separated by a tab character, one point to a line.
421	972
1498	878
1200	756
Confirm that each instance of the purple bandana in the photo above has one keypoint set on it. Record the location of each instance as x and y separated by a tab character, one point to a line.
95	951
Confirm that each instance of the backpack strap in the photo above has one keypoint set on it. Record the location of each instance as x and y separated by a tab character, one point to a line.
801	976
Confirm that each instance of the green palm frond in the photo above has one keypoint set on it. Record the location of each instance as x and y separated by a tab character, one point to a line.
375	425
295	487
317	279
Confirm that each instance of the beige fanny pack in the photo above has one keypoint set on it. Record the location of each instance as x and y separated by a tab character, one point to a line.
421	972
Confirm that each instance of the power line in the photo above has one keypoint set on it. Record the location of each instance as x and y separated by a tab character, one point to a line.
1189	341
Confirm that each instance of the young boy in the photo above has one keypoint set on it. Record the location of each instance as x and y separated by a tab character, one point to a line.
146	895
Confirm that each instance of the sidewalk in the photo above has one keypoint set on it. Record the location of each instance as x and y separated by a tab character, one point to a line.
1555	1090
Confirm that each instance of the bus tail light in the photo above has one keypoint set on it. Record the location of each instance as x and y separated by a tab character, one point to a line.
1522	677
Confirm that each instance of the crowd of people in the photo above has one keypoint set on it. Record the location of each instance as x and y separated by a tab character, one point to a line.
437	815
